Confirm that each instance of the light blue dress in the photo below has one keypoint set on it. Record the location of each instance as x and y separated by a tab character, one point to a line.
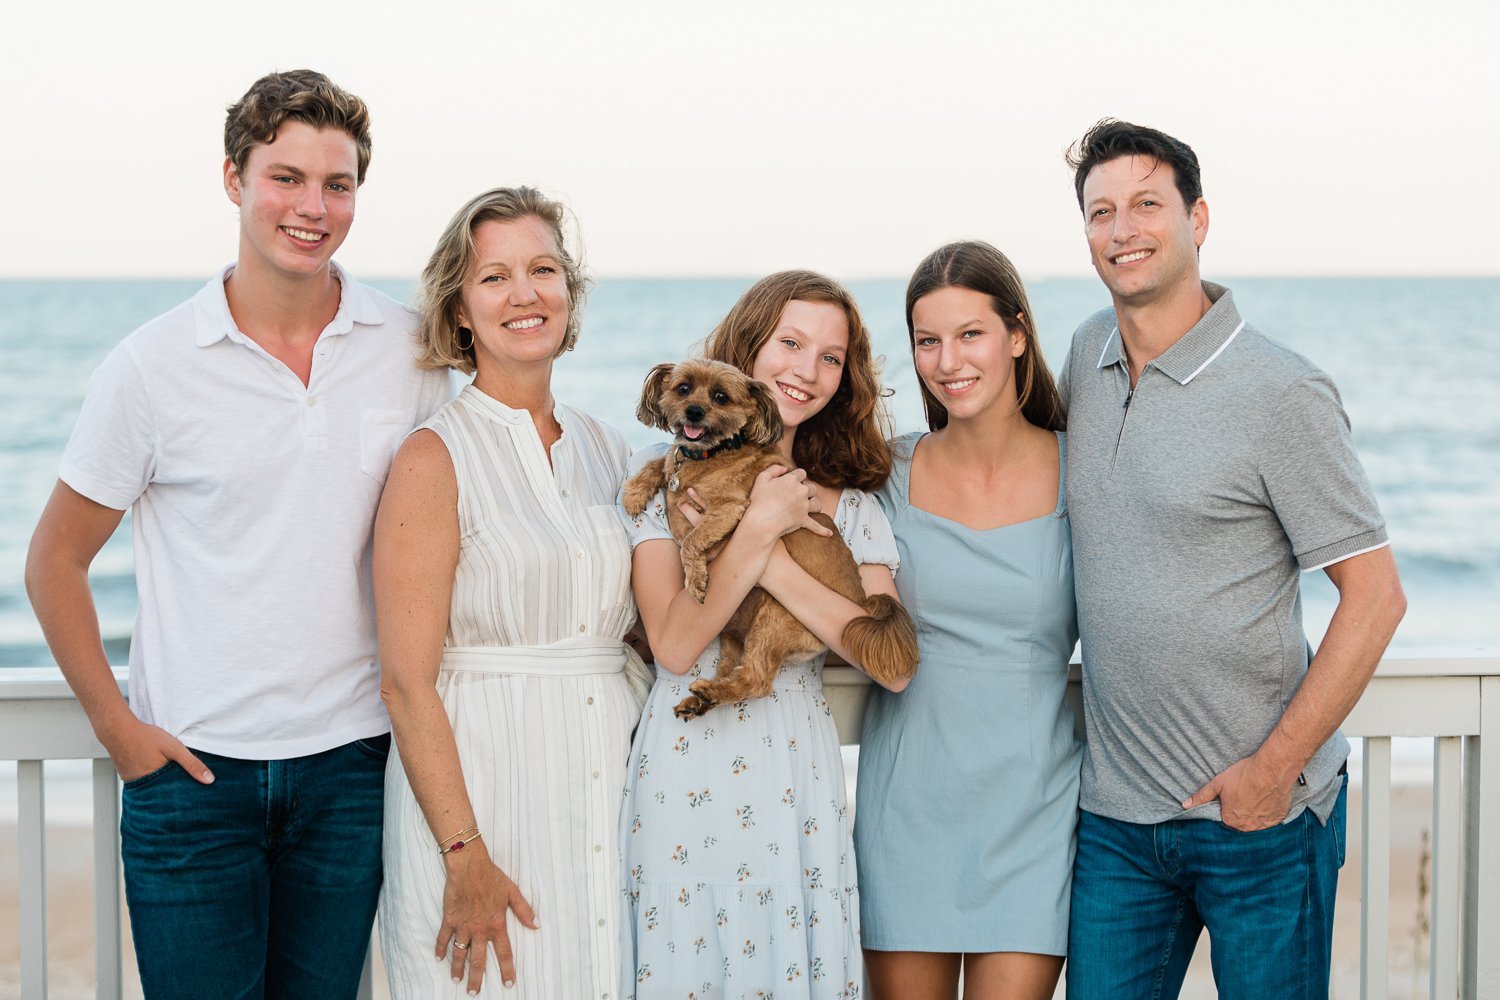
739	874
968	780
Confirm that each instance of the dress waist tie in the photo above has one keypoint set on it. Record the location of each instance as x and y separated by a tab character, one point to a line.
567	658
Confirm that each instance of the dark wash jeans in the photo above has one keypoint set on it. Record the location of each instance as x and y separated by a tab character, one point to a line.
1142	894
262	884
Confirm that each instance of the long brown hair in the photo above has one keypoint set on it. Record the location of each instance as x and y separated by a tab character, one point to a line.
977	266
843	444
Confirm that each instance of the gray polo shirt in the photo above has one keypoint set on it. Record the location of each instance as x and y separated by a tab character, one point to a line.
1196	502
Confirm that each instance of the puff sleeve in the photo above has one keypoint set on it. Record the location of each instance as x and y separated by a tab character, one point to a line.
652	522
866	530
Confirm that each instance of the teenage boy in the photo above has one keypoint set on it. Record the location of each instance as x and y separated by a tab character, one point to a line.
1208	467
249	432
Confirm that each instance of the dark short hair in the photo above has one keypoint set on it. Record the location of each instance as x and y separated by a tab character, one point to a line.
1110	139
301	95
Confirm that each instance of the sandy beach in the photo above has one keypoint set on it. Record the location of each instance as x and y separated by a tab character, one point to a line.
70	943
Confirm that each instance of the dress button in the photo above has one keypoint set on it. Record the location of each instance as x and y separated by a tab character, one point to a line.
596	774
598	848
591	699
601	924
312	401
580	553
580	629
564	492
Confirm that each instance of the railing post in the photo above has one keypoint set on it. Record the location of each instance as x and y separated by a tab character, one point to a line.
1447	824
31	828
108	974
1375	870
1481	908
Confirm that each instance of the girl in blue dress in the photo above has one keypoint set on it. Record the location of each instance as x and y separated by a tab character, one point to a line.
968	781
738	862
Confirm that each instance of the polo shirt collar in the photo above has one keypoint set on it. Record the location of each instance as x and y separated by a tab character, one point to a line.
1196	349
215	322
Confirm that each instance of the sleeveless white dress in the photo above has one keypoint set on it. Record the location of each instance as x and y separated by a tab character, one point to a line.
533	683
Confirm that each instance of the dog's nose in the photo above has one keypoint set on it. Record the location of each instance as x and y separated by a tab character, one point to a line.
694	413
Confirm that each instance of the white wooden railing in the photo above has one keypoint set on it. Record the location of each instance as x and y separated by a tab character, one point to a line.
1453	699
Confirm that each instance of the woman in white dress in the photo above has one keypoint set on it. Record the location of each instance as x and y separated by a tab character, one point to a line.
502	585
739	867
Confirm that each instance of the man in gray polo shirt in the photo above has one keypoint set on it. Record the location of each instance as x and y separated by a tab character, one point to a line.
1208	467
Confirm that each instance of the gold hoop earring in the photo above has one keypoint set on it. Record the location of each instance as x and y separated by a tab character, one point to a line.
460	339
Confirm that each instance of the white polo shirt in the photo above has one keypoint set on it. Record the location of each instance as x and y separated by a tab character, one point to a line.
253	501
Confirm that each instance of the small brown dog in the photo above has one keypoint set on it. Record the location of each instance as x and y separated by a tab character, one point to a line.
726	426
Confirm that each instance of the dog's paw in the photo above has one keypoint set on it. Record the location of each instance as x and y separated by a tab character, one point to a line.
697	581
635	498
691	707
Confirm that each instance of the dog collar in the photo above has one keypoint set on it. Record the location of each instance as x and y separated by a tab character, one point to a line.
699	454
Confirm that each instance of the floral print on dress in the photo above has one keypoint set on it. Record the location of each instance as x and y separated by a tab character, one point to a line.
745	889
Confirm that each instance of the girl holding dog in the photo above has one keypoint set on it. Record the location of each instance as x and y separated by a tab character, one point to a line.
968	782
502	583
739	870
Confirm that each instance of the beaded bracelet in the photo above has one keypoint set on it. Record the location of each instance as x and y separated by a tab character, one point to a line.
458	841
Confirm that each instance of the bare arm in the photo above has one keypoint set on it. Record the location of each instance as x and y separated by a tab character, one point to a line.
416	555
678	628
69	535
1256	792
825	612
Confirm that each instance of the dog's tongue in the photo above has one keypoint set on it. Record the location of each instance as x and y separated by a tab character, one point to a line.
692	433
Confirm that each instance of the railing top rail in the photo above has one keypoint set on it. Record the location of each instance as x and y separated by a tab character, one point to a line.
23	683
20	683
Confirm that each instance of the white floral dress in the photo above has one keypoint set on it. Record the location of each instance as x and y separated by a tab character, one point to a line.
738	865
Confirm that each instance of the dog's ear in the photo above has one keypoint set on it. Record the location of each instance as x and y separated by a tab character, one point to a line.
649	411
764	427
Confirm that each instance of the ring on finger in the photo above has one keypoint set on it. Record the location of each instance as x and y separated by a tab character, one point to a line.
461	946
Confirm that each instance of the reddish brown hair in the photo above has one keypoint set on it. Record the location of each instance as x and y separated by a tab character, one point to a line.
843	444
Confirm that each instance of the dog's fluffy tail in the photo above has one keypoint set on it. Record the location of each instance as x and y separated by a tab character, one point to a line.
884	641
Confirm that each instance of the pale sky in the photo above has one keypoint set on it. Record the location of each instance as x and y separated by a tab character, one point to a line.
736	139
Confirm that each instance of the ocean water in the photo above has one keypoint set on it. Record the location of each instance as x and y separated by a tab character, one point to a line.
1412	359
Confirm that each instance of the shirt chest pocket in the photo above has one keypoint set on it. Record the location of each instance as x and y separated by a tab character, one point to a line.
380	434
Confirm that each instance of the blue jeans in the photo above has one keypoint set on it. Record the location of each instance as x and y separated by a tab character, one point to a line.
262	884
1142	894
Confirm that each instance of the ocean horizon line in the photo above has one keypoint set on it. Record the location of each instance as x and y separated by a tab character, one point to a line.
753	276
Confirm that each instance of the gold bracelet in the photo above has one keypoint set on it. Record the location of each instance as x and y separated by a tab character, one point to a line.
458	841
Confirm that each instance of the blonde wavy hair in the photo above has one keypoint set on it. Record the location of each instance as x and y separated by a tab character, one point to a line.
441	291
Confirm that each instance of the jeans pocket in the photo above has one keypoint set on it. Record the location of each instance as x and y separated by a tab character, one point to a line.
375	747
149	777
1339	819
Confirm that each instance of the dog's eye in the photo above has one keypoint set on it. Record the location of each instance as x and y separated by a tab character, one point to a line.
721	397
684	388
